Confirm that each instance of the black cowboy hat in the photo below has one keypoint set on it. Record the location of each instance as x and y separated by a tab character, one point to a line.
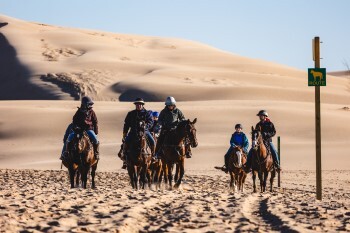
139	101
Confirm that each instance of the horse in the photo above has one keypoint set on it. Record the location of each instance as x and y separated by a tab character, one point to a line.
235	169
87	160
262	162
138	157
173	150
80	159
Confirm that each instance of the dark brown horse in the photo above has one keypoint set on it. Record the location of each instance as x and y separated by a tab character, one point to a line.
138	157
262	162
81	159
173	149
87	160
235	169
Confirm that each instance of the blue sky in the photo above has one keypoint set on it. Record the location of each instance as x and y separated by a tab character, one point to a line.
277	31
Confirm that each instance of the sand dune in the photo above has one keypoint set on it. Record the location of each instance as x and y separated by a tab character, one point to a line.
64	63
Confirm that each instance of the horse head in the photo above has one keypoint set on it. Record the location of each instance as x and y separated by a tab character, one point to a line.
256	137
191	132
237	156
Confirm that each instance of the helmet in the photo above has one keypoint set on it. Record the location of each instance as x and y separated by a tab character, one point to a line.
155	114
262	113
86	100
238	126
170	101
139	101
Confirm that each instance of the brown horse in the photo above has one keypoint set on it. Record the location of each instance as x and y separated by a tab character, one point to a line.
87	160
235	169
81	159
262	162
138	157
173	149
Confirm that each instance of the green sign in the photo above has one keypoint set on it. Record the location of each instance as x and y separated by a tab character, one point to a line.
317	77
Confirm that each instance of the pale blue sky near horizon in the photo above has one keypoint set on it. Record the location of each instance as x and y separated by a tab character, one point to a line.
276	31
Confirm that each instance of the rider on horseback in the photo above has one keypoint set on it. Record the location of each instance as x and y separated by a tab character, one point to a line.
131	123
85	118
238	138
267	131
154	129
169	118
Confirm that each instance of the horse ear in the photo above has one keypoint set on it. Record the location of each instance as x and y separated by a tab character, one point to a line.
252	128
194	121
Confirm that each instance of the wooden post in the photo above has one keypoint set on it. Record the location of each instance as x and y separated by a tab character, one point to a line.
279	158
318	123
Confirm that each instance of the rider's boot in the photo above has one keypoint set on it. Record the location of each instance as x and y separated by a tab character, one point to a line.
124	165
97	151
65	154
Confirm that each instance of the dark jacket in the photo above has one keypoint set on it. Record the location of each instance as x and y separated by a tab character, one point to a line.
134	117
168	119
239	139
86	119
267	130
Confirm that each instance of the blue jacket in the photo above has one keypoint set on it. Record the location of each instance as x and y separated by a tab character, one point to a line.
240	139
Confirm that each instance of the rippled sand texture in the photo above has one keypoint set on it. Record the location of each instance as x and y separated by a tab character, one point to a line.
35	200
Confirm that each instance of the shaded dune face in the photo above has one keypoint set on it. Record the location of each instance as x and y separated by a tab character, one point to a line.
15	77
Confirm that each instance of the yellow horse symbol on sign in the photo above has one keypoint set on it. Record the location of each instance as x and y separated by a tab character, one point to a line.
316	74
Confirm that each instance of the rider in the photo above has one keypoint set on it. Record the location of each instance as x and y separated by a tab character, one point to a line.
131	122
154	129
86	119
168	119
267	131
238	138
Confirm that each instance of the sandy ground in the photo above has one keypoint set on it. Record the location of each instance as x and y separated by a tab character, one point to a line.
36	200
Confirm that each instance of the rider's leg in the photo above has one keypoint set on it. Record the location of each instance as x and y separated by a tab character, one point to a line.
159	144
151	142
274	155
248	164
95	142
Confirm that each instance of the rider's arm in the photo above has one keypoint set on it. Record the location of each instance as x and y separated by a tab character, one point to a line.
232	143
272	130
181	116
149	121
127	123
245	143
94	122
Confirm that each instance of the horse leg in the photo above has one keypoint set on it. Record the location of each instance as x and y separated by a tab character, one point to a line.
181	166
244	176
170	175
71	177
273	174
254	179
231	181
131	176
266	174
84	175
77	177
93	173
260	175
176	177
135	176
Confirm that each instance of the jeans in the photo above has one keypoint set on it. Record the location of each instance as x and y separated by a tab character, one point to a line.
91	134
